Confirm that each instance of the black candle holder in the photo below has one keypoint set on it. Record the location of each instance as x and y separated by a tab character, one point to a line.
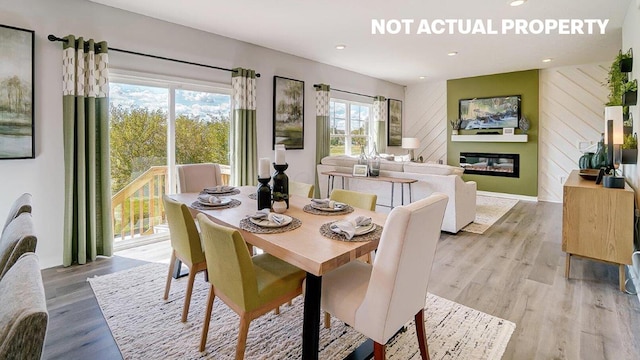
280	183
264	193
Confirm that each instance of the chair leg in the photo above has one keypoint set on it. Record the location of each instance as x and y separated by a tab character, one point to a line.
327	320
379	351
242	336
277	310
187	298
207	317
171	265
420	332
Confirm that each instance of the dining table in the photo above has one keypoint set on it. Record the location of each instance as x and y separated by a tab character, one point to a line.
305	247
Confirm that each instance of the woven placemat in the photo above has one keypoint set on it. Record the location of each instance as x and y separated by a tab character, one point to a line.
232	204
230	193
253	196
311	210
246	224
326	232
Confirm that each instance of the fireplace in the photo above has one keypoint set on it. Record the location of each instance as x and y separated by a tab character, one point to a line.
507	165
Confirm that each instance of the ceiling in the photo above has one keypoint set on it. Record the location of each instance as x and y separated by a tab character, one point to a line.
312	29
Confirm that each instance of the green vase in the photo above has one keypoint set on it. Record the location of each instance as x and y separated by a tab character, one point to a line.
599	159
585	160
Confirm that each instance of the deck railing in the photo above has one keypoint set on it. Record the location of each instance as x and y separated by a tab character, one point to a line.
137	209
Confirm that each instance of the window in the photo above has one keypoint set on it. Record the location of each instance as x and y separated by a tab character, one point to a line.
154	125
350	127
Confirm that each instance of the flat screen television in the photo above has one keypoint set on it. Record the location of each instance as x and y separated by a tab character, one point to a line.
490	113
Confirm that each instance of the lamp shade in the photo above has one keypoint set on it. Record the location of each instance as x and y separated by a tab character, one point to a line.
614	113
410	143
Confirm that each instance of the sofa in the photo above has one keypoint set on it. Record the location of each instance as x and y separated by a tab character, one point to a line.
461	208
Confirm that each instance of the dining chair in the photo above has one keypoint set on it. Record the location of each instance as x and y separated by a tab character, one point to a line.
23	314
192	178
357	199
301	189
250	286
18	238
378	300
20	205
185	241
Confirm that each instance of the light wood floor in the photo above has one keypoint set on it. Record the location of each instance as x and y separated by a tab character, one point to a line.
514	271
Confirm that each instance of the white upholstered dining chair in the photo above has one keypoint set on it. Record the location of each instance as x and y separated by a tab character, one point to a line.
377	300
192	178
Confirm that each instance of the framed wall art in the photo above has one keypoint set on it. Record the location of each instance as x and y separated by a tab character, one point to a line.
394	123
288	112
16	93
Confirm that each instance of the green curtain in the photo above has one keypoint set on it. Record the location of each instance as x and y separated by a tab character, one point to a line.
85	112
245	143
380	122
323	139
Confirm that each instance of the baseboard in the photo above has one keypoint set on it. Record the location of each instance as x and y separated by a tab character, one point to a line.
508	196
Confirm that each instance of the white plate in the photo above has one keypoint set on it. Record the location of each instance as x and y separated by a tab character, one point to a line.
361	230
223	190
337	207
222	202
264	222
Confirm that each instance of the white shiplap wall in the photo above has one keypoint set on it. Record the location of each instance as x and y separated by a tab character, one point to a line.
572	102
426	118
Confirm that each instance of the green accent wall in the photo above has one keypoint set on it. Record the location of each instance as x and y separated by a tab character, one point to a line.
523	83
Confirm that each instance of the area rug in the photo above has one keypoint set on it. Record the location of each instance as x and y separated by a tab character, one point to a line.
146	327
489	209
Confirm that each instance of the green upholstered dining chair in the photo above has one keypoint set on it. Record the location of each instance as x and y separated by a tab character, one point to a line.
250	286
356	199
185	242
301	189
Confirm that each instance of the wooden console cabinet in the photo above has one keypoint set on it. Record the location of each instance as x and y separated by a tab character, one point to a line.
597	223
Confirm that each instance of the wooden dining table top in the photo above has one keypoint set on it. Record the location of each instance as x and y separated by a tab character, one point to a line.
304	247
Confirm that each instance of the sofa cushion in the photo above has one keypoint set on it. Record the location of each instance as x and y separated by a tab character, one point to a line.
433	169
349	161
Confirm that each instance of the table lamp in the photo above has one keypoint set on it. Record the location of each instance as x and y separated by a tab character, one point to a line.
410	144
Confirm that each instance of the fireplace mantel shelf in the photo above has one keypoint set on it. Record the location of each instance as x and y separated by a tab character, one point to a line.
490	138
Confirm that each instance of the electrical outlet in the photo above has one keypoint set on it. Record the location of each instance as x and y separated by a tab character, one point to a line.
562	178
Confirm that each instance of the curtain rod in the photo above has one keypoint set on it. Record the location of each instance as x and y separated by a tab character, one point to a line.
55	38
348	92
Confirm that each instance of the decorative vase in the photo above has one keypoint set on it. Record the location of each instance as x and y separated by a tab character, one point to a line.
280	183
454	132
585	160
279	206
524	124
264	193
362	159
599	159
374	162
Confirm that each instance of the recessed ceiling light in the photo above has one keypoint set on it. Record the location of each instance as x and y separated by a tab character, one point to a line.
453	53
341	47
517	2
547	60
422	77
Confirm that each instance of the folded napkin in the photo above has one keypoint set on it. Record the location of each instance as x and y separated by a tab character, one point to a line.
348	227
326	203
276	218
209	199
261	214
220	189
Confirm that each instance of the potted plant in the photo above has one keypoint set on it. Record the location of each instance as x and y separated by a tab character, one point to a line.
626	61
455	125
630	149
615	81
630	94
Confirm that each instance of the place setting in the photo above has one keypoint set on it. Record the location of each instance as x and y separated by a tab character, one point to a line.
327	207
222	190
266	222
360	228
210	202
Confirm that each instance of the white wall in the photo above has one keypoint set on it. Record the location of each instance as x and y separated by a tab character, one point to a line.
572	102
44	177
425	117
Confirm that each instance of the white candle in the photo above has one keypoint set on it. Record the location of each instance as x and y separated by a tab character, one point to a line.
264	168
280	151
